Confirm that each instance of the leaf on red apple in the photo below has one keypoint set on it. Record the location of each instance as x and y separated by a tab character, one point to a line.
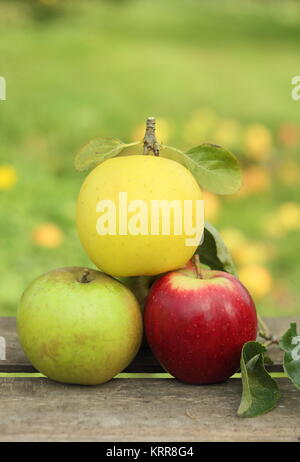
216	169
260	391
213	251
268	360
97	151
290	344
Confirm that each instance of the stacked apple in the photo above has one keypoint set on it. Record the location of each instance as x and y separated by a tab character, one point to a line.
79	325
197	321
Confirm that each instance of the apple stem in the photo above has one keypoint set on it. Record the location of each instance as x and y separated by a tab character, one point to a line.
196	261
270	340
150	141
263	328
265	333
84	277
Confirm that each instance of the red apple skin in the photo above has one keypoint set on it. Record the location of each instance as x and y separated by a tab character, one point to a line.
197	327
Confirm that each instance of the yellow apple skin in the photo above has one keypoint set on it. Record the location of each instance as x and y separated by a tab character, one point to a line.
142	177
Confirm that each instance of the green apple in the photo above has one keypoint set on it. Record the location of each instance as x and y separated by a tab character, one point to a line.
78	325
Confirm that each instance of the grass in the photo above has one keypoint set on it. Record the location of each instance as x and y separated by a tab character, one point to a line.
82	69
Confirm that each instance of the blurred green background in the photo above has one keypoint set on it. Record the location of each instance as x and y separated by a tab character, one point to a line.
210	71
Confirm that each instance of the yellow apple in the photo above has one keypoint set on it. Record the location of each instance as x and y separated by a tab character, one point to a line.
115	219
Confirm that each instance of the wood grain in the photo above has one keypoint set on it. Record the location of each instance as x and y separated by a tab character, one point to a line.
139	410
144	362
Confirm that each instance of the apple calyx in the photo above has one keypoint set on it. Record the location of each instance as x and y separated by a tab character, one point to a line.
84	278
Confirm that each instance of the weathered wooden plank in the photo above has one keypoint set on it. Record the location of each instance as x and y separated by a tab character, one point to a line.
144	362
15	359
139	410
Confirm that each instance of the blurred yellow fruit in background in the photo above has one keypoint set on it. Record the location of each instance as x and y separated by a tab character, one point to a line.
252	253
256	279
271	226
285	219
8	177
289	173
256	179
233	238
47	235
258	142
289	216
243	251
227	133
199	127
211	206
289	135
163	131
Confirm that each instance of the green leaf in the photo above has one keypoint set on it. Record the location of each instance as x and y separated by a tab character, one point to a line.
168	152
268	360
290	344
215	168
97	151
260	391
213	251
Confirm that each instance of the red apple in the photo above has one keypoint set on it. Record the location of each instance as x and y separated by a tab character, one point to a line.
197	323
